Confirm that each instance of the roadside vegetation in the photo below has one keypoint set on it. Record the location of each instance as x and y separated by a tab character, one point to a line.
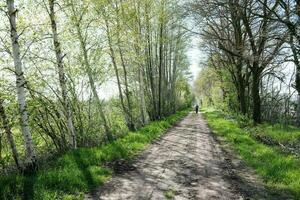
82	73
85	85
78	171
279	170
252	80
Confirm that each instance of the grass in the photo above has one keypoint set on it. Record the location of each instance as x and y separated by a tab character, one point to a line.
78	171
170	194
280	172
279	133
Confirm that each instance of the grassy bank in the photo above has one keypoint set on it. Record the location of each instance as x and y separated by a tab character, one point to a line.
73	174
281	172
279	133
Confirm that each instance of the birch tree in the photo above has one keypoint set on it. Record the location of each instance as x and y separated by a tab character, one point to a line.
77	16
20	86
61	74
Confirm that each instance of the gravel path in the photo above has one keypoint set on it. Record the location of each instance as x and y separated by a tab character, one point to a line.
186	163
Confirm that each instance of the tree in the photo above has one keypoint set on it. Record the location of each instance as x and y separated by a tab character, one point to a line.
20	85
62	75
77	16
94	70
127	109
288	14
246	39
260	43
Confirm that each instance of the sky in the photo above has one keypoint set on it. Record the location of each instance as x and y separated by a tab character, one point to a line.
195	56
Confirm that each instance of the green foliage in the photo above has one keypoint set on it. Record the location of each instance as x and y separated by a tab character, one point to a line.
243	121
169	194
78	171
280	171
207	87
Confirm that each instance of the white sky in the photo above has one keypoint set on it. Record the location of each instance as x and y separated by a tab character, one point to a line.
195	56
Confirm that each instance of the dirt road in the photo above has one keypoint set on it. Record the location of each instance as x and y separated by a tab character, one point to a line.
186	163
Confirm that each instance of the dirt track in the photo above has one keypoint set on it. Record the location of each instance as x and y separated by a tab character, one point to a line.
186	163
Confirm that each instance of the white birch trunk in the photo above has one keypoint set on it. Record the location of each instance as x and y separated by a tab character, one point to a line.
20	84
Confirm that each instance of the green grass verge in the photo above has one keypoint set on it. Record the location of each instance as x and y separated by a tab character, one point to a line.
280	172
279	133
78	171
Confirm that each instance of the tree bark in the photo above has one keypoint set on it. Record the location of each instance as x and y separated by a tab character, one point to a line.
241	94
113	59
62	76
150	64
144	117
256	115
129	111
160	70
141	78
20	83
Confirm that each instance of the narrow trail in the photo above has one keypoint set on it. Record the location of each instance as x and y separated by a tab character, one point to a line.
186	163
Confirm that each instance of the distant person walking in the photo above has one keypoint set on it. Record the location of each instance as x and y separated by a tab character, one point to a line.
197	109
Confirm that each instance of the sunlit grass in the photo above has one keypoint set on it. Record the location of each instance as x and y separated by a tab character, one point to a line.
281	172
279	133
78	171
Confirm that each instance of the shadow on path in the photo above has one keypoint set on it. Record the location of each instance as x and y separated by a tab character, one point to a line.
186	163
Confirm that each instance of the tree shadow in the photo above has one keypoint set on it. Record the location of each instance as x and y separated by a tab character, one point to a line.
28	186
84	168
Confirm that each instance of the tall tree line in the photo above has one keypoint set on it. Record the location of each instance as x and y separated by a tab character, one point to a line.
248	41
64	59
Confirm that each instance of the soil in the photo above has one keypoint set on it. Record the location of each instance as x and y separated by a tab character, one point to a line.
188	162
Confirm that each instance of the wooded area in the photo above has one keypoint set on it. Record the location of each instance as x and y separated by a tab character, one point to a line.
87	85
253	66
82	73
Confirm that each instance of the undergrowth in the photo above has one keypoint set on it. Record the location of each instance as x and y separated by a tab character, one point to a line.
78	171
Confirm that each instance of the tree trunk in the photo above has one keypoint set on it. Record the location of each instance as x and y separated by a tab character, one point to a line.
20	83
243	101
160	71
128	108
151	79
143	109
113	59
131	125
9	134
150	64
62	76
92	84
297	78
256	115
241	95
